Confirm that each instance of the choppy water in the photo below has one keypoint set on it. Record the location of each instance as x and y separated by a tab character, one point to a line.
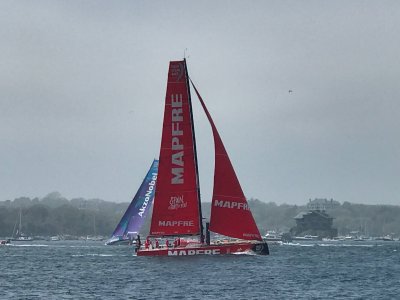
90	270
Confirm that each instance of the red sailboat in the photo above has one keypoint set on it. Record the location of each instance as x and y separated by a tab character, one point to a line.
177	207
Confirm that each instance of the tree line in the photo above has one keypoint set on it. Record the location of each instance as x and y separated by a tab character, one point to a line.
56	215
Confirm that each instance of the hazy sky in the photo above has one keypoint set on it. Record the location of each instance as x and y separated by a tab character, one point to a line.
82	87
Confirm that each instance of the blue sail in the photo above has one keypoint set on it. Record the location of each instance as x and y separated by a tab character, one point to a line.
138	209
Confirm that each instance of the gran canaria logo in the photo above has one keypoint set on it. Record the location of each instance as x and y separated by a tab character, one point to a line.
177	202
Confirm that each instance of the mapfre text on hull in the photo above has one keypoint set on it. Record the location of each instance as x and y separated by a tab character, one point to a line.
223	249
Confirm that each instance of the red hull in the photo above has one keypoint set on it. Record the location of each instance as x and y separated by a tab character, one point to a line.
257	248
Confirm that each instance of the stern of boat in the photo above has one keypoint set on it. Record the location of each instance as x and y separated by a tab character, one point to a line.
260	248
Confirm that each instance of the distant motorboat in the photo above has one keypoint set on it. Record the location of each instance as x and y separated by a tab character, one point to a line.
94	238
306	238
272	236
385	238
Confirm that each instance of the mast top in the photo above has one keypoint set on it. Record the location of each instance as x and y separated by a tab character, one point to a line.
184	54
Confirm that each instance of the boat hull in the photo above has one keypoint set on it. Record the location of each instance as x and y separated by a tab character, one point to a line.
22	239
119	241
218	249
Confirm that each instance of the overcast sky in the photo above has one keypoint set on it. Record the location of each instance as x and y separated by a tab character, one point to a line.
82	87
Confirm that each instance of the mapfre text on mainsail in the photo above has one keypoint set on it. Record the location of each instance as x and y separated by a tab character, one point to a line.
177	166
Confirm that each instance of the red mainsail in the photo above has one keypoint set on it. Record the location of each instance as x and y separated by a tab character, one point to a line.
230	213
176	209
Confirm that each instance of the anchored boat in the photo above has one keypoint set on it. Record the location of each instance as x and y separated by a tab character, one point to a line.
177	207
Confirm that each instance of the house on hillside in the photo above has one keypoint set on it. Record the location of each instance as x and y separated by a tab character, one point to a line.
314	223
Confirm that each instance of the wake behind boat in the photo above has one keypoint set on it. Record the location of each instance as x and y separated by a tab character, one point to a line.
5	242
177	206
137	211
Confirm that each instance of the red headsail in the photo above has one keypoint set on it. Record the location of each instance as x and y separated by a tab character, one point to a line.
230	213
176	205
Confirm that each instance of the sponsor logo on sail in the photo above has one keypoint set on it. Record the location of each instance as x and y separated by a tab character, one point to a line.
177	71
177	202
251	235
175	223
231	204
194	252
177	148
148	195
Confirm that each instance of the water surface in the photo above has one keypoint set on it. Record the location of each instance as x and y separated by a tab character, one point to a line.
90	270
